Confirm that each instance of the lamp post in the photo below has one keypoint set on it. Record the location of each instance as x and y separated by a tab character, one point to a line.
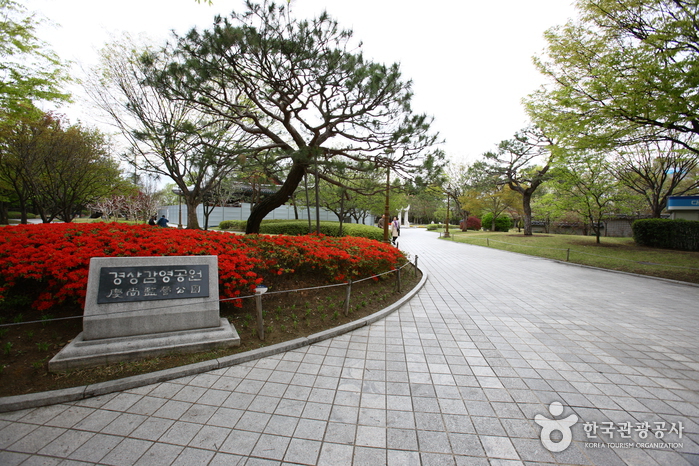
179	198
386	206
446	231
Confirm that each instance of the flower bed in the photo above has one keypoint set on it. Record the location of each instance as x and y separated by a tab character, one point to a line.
53	259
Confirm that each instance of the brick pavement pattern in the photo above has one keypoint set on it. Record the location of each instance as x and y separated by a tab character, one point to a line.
455	376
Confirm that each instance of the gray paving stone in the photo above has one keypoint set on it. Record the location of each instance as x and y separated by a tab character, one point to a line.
96	448
302	451
271	447
340	433
129	451
332	454
160	454
36	439
180	433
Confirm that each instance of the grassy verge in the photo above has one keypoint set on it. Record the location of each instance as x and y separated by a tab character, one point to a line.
612	253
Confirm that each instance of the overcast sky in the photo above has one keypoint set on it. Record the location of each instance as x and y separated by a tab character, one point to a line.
470	61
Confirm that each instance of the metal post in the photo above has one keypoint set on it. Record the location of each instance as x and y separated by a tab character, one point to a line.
347	297
416	265
260	322
446	231
568	255
398	280
179	225
386	207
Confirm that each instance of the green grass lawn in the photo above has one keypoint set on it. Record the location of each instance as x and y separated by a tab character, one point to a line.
612	253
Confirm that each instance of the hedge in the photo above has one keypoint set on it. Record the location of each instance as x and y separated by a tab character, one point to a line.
666	233
300	227
502	223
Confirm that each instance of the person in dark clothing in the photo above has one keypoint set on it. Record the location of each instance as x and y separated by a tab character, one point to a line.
162	221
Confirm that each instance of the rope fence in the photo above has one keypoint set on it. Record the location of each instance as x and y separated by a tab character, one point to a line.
257	296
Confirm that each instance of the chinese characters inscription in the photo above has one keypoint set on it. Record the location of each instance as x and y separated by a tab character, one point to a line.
128	284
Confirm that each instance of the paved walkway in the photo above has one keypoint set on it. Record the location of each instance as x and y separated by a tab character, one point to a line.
456	376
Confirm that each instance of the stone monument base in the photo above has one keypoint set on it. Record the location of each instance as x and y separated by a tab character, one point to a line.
81	353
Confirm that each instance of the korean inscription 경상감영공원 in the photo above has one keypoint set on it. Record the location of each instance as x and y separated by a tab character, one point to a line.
127	284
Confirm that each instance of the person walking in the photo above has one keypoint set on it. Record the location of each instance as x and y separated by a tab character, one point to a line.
395	229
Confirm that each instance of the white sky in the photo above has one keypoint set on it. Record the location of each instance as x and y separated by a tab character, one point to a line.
470	61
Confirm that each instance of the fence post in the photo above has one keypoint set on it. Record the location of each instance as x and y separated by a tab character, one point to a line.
260	322
347	297
487	242
416	265
398	280
568	255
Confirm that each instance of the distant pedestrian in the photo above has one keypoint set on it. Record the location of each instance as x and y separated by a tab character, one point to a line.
152	220
162	221
382	221
395	229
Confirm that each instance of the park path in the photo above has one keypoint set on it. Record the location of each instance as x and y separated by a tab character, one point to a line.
456	376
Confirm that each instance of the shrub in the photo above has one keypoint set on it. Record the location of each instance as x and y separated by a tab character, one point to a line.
434	226
51	261
666	233
300	227
502	223
472	223
235	225
240	225
18	215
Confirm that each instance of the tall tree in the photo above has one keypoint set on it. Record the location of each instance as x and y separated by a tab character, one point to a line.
305	90
656	170
587	187
625	71
57	167
166	137
30	71
523	163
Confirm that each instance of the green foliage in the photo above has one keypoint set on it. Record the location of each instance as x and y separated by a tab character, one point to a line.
502	223
626	69
434	226
240	225
668	234
55	166
303	89
18	215
29	70
300	227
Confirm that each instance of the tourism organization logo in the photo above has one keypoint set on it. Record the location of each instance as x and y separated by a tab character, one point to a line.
613	435
549	426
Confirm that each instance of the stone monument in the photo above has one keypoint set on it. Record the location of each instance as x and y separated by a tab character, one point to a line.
140	307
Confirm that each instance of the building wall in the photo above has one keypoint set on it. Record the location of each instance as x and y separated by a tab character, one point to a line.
685	214
285	212
619	227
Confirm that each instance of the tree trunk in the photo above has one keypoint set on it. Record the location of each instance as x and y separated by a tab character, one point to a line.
192	220
4	215
275	200
527	207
